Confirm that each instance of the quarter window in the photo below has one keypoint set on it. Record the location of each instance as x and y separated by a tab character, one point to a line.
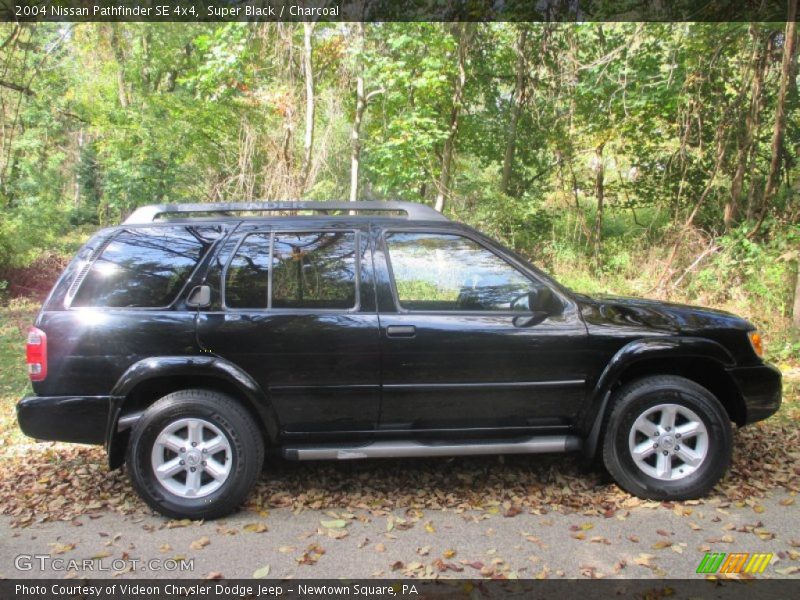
144	267
451	272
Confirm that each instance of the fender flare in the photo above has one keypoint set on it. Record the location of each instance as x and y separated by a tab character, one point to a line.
590	420
165	366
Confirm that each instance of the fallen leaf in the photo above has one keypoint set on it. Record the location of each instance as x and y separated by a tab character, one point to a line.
61	548
311	555
380	548
201	543
261	573
337	534
644	560
255	527
334	524
449	553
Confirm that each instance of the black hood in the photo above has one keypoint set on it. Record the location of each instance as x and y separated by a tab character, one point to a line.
653	314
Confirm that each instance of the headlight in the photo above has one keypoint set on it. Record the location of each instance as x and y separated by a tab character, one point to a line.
756	342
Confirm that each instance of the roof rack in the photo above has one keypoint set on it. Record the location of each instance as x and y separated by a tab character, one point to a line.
413	210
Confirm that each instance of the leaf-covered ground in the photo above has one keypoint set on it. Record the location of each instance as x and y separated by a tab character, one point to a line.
52	481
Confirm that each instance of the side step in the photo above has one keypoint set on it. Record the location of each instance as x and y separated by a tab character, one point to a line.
406	449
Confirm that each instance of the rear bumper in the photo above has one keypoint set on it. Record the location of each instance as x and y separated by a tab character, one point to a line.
79	419
761	389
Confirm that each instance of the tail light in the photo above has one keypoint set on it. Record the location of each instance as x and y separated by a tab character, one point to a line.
36	354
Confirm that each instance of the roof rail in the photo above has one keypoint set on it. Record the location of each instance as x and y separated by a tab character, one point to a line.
413	210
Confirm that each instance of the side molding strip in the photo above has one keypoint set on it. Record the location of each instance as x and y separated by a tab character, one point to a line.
416	387
409	449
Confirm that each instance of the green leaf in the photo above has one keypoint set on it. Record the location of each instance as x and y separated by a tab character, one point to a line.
261	573
334	524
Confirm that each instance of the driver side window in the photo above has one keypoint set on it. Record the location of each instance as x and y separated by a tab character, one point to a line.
437	271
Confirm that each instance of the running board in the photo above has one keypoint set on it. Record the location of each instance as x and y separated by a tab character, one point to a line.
406	449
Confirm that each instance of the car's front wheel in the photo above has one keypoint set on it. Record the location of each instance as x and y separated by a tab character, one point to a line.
195	454
667	438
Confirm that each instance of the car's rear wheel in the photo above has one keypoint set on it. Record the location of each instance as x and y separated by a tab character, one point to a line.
195	454
667	438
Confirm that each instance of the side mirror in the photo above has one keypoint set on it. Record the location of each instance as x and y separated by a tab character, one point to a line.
541	303
200	296
542	300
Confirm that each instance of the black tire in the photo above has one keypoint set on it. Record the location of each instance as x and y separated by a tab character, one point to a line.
634	399
243	436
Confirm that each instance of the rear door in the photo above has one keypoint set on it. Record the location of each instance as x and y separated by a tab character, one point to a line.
297	313
461	349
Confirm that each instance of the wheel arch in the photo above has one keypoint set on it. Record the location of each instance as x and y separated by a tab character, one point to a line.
150	379
700	360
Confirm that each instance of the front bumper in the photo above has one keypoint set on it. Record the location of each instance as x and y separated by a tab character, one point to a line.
79	419
761	389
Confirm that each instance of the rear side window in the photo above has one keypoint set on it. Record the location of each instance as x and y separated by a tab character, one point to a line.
314	270
248	273
144	268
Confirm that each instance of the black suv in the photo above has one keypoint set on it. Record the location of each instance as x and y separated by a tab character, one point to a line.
193	338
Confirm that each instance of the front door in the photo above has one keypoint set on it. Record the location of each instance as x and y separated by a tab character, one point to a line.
298	315
462	349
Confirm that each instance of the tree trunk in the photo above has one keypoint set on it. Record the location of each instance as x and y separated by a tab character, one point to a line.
796	307
122	92
355	138
773	178
599	190
732	208
753	194
308	72
516	109
361	104
458	95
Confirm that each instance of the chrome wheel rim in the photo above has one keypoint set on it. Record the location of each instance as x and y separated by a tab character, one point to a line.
668	442
192	458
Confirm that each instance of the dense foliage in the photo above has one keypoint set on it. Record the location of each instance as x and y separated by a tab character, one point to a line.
650	158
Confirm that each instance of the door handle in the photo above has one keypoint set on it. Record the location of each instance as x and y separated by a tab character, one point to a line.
401	331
